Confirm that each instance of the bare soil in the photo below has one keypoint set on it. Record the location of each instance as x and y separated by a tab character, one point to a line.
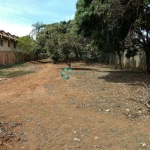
98	108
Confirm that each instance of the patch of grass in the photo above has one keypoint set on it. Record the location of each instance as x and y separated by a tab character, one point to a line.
13	65
8	74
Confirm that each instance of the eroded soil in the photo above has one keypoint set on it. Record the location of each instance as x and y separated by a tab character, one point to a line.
93	110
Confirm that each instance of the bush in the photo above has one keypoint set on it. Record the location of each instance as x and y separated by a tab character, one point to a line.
54	59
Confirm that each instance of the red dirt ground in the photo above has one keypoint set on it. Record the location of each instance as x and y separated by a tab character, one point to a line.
89	111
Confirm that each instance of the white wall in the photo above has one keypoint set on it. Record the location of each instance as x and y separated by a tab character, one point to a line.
137	62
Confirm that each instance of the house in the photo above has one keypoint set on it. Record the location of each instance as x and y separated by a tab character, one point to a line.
9	50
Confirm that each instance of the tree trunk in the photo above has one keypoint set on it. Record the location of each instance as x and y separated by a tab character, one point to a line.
107	58
147	53
95	55
119	55
80	54
68	63
77	56
36	57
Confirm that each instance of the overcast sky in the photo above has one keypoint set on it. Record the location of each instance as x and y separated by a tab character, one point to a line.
17	16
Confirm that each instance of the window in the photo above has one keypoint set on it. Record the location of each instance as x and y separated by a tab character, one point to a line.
1	42
8	43
14	44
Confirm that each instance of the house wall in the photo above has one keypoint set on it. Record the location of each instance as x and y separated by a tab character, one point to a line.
8	57
7	54
11	48
10	54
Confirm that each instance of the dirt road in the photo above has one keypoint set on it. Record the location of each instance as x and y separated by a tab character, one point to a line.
89	111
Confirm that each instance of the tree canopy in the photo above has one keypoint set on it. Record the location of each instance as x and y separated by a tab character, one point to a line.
112	24
27	44
37	27
60	40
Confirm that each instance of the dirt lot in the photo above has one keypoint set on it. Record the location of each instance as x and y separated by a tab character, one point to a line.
93	110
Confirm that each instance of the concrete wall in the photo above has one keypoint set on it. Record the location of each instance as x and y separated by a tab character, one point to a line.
137	62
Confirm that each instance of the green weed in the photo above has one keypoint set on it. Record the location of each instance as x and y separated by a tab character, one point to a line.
13	65
8	74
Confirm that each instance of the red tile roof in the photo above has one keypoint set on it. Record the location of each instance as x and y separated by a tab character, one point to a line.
8	36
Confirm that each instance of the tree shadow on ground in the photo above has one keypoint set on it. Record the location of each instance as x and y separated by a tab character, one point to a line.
128	77
33	62
44	61
40	62
82	69
98	64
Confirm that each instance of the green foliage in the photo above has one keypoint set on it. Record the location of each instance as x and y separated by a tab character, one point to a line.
37	27
16	56
59	40
86	19
90	23
41	40
51	42
8	74
113	25
13	65
27	44
94	20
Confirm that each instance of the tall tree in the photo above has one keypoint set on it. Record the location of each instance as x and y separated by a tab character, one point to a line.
139	34
108	23
93	22
37	27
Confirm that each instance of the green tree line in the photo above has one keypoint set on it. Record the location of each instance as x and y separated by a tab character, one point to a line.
109	26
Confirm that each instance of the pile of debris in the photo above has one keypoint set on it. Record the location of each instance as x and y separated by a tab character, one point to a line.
6	133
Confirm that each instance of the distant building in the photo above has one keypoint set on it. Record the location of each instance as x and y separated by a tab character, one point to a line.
9	50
